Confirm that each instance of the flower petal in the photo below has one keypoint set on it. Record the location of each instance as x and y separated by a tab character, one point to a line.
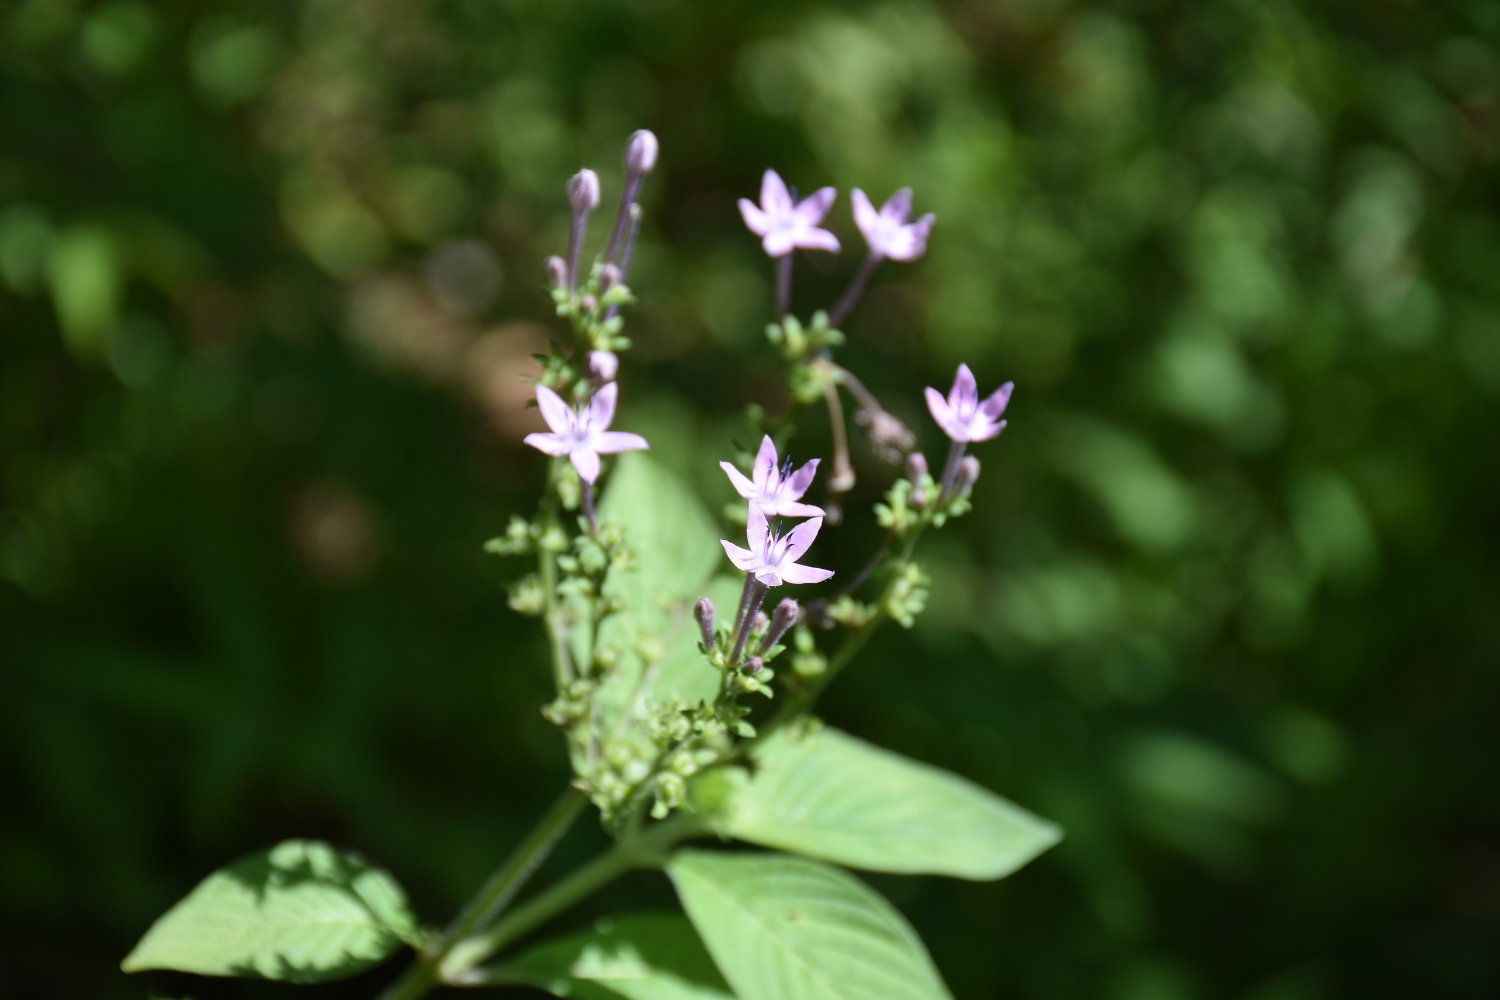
586	461
743	559
755	220
897	207
802	479
742	486
800	538
941	411
551	444
559	415
810	210
988	431
756	533
612	442
764	469
998	401
964	396
779	242
601	411
817	239
865	216
788	508
769	577
793	573
775	199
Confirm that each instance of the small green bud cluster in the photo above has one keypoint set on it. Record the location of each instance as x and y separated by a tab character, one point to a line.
594	322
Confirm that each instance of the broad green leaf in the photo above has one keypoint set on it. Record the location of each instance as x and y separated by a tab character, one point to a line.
302	912
785	928
825	794
675	548
639	957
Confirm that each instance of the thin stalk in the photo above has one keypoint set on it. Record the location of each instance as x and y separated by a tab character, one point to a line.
646	851
622	219
626	256
587	496
816	608
856	289
575	248
492	898
783	285
744	601
562	662
757	597
950	471
842	480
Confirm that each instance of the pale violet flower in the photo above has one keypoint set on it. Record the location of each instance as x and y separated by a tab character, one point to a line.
583	435
887	231
962	416
773	558
602	365
775	491
784	224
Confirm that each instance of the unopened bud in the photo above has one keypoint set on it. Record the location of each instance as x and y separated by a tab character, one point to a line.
589	303
968	475
602	366
916	471
784	618
754	665
583	191
704	612
557	272
609	277
759	622
640	152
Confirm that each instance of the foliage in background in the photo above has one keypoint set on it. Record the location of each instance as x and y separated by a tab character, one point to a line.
1226	611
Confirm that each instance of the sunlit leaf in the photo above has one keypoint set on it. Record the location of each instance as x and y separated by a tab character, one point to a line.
828	795
786	928
638	957
302	912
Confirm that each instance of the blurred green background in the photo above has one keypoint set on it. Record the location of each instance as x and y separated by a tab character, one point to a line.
1226	608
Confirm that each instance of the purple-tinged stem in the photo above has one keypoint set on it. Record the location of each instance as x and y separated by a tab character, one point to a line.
622	219
587	496
856	289
627	254
783	285
842	480
575	248
739	616
756	595
950	471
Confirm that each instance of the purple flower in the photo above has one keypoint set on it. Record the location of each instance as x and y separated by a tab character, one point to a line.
887	231
785	225
773	558
601	365
962	416
582	434
775	491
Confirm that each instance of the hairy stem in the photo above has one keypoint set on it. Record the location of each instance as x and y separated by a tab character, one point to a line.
842	479
492	898
562	662
587	496
856	289
647	850
783	285
757	596
950	471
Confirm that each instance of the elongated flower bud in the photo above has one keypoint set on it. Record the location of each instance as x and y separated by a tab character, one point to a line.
916	471
785	616
583	191
609	277
602	367
704	612
557	272
640	152
968	475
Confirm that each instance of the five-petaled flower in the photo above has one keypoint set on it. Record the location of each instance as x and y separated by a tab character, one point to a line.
784	224
583	434
772	558
775	490
887	231
962	416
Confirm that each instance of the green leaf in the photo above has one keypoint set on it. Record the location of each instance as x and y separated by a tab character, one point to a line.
675	548
639	957
301	912
824	793
785	928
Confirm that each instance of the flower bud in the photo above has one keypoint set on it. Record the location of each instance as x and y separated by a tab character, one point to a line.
785	617
916	471
759	622
557	272
589	303
640	152
754	665
704	612
609	277
968	474
583	191
601	367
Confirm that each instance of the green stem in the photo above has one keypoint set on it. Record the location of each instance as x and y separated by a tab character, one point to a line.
562	665
493	897
648	850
